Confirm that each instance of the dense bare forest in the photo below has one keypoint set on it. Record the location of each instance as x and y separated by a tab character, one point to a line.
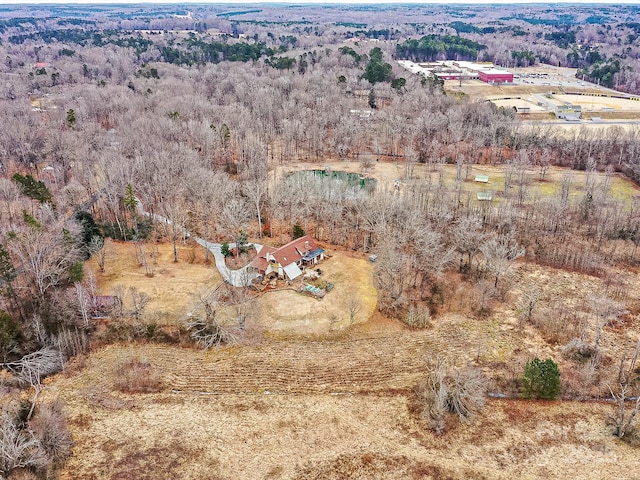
151	125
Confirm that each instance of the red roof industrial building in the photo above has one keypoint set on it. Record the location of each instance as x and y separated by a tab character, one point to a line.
495	76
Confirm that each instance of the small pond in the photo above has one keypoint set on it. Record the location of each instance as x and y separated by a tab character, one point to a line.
332	184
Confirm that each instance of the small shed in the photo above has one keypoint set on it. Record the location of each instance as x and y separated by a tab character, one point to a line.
482	178
484	196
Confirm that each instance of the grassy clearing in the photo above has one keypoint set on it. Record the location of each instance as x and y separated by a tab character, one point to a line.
174	288
190	436
387	172
352	276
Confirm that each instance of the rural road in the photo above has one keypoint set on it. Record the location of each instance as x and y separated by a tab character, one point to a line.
238	278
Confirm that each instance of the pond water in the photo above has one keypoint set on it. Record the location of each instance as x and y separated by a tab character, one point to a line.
332	184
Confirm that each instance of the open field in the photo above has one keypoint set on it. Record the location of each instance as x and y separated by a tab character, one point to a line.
314	434
387	172
589	103
352	276
597	103
173	289
477	89
535	84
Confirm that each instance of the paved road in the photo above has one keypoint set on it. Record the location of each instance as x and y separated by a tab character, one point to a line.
238	278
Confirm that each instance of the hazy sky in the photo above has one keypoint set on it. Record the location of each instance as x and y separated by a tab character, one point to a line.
27	2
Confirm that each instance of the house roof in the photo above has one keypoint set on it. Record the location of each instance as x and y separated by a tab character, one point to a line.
260	262
292	271
295	250
313	254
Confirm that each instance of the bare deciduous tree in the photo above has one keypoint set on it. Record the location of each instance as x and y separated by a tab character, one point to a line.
528	301
624	418
354	308
46	254
139	301
99	250
34	367
500	253
19	448
417	316
467	239
606	310
448	390
206	330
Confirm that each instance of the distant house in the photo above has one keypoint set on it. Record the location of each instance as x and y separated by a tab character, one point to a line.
289	260
569	112
482	178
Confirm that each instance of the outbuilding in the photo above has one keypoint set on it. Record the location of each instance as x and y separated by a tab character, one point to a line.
495	76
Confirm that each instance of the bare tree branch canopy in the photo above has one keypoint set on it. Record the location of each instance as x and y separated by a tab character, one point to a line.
448	390
207	332
500	254
46	254
32	368
18	448
623	392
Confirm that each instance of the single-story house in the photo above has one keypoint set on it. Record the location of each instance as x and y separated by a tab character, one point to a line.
288	260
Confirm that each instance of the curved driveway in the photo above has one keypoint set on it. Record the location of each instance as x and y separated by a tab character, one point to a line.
238	278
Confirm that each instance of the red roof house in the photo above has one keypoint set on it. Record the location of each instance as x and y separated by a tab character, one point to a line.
287	260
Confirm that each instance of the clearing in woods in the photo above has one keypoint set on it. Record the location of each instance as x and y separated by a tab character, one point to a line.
176	288
173	289
352	276
386	173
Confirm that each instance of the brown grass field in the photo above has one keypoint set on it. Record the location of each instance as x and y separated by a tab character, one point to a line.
352	276
318	432
173	289
387	172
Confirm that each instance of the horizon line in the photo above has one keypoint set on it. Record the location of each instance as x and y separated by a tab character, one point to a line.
318	3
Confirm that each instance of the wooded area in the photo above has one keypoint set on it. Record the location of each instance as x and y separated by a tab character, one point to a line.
200	116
